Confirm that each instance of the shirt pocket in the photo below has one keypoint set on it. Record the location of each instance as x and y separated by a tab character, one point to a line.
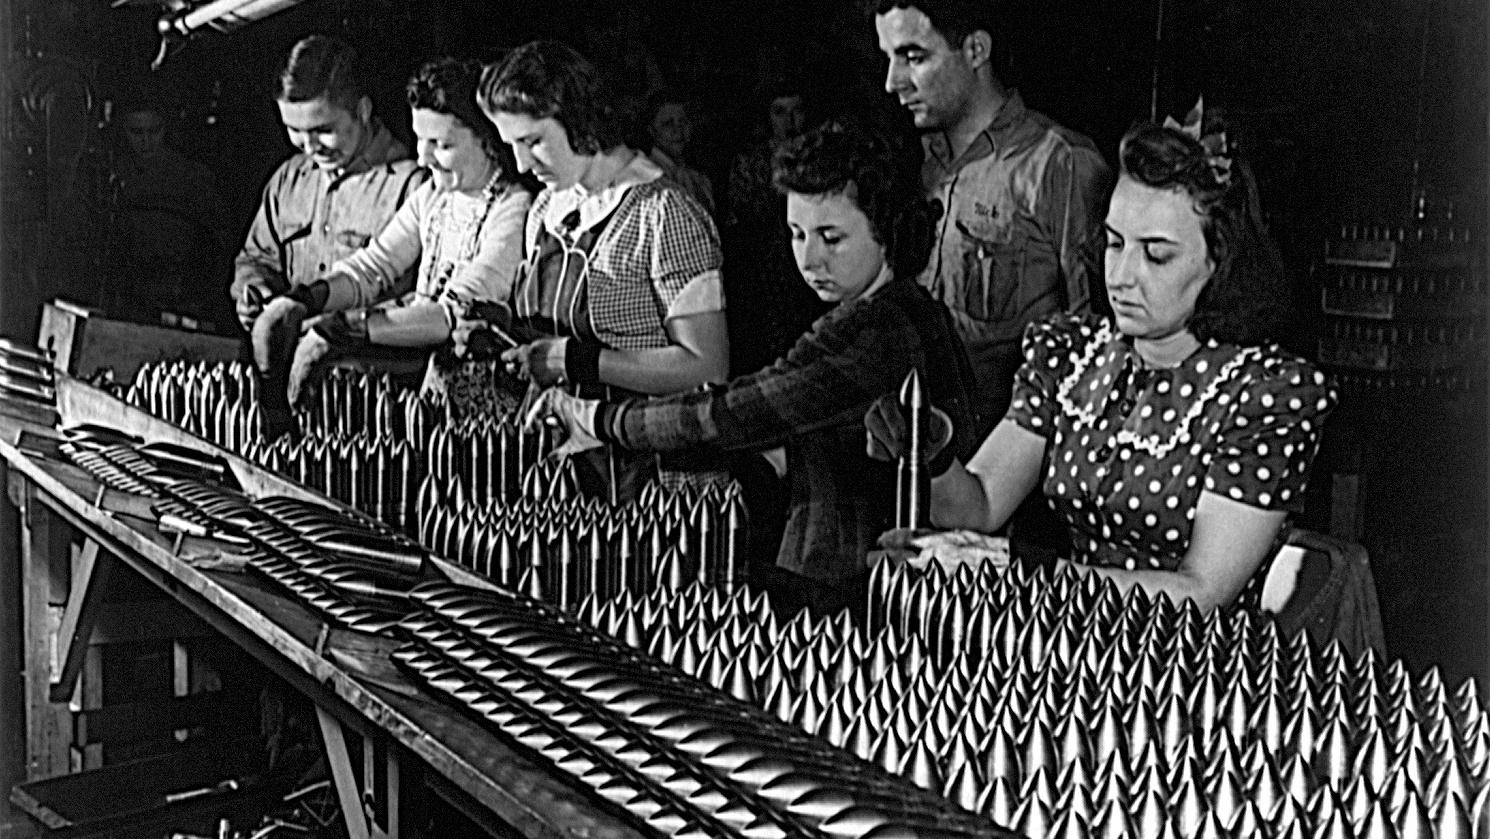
993	257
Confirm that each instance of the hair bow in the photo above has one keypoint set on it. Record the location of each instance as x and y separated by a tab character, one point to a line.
1217	149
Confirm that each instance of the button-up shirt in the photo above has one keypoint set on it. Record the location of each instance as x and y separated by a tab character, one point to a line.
309	218
1020	236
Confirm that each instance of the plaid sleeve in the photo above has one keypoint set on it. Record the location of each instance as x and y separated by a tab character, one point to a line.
828	379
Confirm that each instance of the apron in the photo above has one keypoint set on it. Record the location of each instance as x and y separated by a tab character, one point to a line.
550	298
472	386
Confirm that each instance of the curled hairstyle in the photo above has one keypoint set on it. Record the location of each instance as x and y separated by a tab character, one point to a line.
881	179
448	86
322	66
954	20
1244	302
544	79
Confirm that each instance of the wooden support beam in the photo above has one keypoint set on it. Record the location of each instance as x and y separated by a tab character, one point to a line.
377	796
45	538
90	583
341	774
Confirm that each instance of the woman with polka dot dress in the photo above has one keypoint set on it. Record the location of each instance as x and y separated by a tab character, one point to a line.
1174	438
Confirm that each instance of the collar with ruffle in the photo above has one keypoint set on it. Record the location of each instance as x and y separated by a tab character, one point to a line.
595	207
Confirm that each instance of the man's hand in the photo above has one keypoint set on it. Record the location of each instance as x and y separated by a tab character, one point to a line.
250	302
576	415
888	437
541	362
275	332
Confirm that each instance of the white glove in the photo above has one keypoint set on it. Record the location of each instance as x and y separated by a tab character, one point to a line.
577	416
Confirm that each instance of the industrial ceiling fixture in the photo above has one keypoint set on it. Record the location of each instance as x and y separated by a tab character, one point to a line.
182	19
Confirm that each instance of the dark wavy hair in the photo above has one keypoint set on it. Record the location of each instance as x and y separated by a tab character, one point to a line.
319	65
543	79
1245	301
448	86
881	177
954	20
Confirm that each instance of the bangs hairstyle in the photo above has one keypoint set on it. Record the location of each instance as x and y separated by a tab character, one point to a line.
547	79
322	66
1245	301
882	180
448	86
954	20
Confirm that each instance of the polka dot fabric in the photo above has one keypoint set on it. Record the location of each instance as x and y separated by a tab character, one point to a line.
1132	449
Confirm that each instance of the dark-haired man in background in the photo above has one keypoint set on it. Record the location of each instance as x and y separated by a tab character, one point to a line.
322	204
1021	232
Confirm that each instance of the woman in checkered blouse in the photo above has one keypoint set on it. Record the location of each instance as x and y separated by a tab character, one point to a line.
620	292
861	232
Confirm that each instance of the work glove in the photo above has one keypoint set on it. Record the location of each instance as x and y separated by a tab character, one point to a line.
275	332
888	436
250	303
312	353
575	415
344	331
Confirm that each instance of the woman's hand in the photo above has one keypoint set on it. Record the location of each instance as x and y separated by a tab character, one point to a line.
462	333
541	362
577	416
888	437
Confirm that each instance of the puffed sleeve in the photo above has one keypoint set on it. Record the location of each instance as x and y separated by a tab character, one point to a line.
1047	347
1271	434
686	255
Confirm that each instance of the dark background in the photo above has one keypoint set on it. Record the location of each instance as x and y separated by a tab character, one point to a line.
1351	110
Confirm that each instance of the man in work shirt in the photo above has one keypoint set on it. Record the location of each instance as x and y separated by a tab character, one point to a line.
1023	199
322	204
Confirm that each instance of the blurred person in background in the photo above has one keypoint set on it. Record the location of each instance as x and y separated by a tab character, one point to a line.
171	230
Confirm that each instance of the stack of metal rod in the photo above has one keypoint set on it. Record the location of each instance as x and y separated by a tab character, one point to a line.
351	569
681	758
220	403
1060	707
354	572
482	492
25	373
491	460
559	547
379	475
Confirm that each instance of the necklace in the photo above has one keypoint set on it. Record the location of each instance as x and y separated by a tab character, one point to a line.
443	265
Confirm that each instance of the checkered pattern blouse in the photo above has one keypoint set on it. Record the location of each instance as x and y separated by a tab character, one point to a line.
613	266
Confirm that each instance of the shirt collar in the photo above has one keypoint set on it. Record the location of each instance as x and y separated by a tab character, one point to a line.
381	149
1010	114
595	206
